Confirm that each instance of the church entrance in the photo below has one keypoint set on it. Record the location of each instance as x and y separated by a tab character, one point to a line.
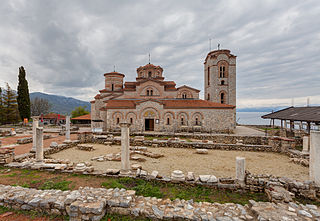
149	124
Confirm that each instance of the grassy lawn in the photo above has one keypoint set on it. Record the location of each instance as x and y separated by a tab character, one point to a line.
49	180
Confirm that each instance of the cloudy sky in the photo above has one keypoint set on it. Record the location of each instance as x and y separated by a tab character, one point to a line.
66	46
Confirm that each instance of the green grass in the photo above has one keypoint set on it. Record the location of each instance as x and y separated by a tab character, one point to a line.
114	217
33	214
60	185
173	191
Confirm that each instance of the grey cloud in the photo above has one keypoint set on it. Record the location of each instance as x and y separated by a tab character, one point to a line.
66	46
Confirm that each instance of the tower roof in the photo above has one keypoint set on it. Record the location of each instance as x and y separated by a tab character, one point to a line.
114	73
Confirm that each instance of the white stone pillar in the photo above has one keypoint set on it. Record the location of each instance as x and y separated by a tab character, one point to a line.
35	124
240	169
39	144
314	161
125	148
67	128
305	144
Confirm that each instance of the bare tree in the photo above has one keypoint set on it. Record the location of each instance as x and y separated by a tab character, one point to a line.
40	106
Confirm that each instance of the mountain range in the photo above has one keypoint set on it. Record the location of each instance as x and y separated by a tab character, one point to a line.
61	104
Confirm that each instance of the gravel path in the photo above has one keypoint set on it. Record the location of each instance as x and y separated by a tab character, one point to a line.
218	162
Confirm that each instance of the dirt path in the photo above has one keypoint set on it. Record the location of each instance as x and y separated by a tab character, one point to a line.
217	162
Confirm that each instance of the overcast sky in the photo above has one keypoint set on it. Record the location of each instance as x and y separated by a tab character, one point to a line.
66	46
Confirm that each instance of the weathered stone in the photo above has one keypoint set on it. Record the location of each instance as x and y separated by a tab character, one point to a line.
202	151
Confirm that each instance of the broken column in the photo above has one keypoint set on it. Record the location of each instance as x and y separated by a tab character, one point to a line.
125	145
314	161
67	128
39	144
305	144
240	169
35	124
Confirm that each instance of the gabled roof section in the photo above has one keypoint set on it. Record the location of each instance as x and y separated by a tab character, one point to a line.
168	104
191	88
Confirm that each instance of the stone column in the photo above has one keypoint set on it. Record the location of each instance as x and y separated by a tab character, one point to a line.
314	158
125	151
67	128
35	124
240	169
39	144
305	144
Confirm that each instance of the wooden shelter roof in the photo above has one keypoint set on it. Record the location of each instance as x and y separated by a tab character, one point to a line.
307	114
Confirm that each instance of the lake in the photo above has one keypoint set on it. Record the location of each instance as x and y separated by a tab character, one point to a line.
252	118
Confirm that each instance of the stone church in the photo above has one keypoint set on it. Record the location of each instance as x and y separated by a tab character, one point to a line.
152	103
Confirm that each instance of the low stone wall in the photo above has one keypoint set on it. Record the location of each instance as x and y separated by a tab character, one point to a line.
276	144
26	140
6	155
93	203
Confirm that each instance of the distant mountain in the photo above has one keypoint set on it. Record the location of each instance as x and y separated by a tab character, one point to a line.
61	104
260	109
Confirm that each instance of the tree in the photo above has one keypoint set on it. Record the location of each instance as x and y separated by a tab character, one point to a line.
79	111
40	106
23	95
10	106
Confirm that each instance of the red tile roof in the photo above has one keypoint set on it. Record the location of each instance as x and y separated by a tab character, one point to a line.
83	117
169	104
194	104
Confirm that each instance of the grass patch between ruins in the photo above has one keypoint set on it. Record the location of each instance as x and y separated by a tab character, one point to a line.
50	180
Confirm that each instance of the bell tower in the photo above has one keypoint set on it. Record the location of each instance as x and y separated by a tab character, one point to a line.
220	77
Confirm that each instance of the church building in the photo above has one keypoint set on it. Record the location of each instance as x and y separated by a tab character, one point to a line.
152	103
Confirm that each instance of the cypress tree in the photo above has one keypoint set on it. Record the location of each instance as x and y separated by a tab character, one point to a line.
23	95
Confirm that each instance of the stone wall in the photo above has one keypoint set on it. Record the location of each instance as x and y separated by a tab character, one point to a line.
6	155
93	203
221	142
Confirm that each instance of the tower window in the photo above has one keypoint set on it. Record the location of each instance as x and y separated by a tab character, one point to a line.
149	74
118	120
208	98
222	98
208	75
168	121
222	71
222	82
112	87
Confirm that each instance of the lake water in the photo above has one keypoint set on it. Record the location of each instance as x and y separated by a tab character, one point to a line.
253	118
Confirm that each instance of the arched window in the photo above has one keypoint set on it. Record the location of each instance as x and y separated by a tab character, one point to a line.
197	121
184	96
151	92
222	72
182	121
222	98
148	93
208	75
168	121
131	120
149	74
222	82
208	98
112	87
118	120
